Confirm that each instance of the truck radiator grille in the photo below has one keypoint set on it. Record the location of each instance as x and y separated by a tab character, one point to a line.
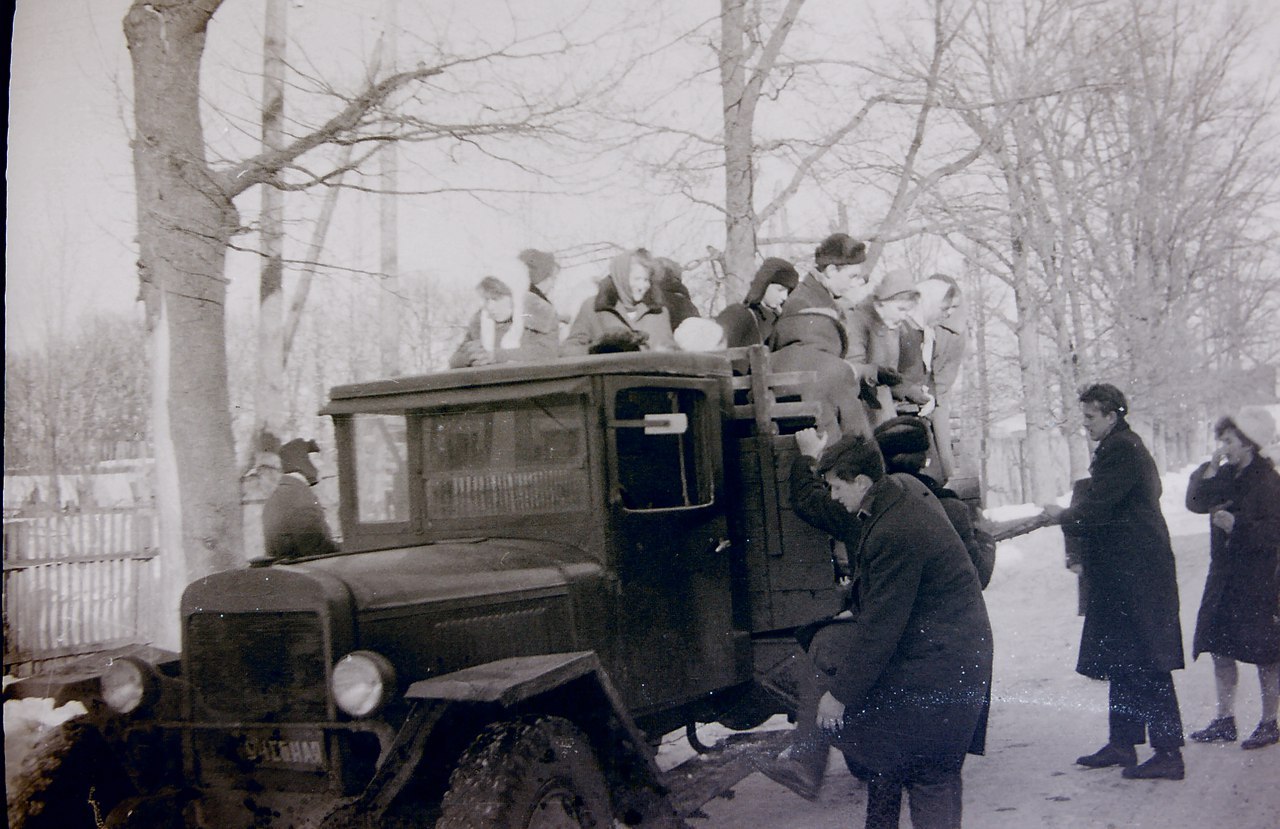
504	493
266	667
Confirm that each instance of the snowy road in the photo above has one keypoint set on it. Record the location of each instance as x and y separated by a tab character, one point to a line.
1044	715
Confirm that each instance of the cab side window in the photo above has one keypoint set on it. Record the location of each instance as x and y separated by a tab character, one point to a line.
661	464
382	476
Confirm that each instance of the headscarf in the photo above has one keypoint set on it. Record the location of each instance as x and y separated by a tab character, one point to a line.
620	275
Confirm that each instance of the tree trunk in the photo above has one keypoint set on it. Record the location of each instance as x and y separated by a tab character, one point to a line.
739	175
269	396
185	221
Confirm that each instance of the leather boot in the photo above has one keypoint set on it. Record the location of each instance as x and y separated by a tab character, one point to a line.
1220	730
1110	755
1165	764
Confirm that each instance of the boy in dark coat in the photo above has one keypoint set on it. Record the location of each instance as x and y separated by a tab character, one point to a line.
293	522
907	679
1131	634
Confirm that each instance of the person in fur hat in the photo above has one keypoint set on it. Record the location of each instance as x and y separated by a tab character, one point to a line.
293	523
675	294
498	335
810	333
628	301
1239	618
751	321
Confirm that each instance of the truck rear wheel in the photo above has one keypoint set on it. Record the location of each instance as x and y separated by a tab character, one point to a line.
527	774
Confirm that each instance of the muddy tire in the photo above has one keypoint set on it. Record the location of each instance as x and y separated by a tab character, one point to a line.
69	780
527	774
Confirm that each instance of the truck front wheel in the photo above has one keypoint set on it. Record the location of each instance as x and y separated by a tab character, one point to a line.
535	773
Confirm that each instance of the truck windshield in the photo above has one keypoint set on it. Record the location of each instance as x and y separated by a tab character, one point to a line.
527	457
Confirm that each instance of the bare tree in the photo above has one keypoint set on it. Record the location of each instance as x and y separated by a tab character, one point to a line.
187	218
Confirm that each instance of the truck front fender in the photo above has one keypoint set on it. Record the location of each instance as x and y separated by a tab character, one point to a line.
570	685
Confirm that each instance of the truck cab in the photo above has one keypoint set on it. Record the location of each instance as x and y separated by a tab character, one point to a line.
544	569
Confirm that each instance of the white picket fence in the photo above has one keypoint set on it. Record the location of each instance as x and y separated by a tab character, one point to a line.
75	583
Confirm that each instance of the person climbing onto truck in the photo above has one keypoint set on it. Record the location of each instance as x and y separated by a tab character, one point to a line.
906	680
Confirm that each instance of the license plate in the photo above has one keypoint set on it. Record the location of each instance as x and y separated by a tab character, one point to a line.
285	750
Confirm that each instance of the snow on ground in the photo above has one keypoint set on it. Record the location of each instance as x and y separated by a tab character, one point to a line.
1044	715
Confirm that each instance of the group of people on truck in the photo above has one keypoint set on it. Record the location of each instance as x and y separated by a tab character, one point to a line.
877	348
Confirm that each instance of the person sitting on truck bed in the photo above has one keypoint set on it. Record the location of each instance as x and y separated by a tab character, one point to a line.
751	321
931	347
874	343
907	678
498	335
810	333
628	300
293	522
904	442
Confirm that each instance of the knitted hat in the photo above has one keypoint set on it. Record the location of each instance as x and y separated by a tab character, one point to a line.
295	457
542	265
772	271
1257	424
903	435
840	249
895	283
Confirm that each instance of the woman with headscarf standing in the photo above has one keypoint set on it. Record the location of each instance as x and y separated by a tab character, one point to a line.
627	305
1239	619
1131	637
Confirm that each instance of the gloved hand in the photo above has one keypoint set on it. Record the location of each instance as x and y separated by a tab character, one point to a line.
886	376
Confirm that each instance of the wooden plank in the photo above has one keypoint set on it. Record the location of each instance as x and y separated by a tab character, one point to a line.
705	776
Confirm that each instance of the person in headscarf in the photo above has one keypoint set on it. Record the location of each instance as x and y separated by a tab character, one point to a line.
627	302
751	321
1239	618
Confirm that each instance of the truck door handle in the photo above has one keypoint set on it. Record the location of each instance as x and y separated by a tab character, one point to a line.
723	545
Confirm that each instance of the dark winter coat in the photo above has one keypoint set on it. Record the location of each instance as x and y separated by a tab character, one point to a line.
982	555
1131	611
811	319
914	668
601	315
293	522
747	325
675	295
1240	611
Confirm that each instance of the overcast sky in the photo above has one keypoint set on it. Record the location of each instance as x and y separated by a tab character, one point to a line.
70	223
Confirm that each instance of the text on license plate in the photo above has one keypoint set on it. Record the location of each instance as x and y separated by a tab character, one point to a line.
274	750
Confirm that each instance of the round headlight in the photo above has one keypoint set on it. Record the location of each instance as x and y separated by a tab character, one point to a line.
128	684
362	682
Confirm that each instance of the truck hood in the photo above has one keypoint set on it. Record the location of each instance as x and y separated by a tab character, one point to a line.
451	571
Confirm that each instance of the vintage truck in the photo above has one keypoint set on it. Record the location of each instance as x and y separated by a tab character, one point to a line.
544	569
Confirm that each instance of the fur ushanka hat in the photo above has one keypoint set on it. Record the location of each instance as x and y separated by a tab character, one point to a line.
295	457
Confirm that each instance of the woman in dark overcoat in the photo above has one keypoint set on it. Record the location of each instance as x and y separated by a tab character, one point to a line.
912	671
1239	617
1131	635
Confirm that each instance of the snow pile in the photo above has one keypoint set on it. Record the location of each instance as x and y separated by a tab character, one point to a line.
25	722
